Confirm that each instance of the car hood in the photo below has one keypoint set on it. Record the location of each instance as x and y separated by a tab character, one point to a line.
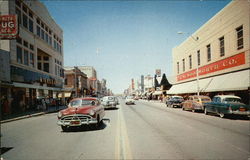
77	110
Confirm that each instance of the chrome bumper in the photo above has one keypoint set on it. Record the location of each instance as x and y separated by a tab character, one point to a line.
246	113
76	120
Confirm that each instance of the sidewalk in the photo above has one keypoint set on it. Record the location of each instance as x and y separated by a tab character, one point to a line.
28	114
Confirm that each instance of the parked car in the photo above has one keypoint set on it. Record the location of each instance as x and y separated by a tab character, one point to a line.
81	111
174	101
109	102
129	100
227	105
195	103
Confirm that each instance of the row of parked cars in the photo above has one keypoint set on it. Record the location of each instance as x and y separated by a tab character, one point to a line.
221	104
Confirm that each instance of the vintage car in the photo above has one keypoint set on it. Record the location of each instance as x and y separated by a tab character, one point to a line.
195	103
227	105
129	100
81	111
174	101
109	101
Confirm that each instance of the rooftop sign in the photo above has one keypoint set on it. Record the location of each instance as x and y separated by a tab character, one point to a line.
8	26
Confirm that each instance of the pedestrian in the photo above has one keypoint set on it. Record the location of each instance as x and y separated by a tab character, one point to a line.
43	104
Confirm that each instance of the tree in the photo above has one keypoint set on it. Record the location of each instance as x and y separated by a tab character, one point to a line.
164	82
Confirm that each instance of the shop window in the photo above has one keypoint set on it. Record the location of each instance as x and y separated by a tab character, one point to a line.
178	68
198	57
46	67
222	46
208	53
30	25
183	65
240	42
19	54
190	62
25	21
26	57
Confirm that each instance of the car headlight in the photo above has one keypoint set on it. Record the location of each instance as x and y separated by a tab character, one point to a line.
91	113
59	115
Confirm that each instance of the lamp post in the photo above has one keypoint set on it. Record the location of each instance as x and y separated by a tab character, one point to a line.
197	68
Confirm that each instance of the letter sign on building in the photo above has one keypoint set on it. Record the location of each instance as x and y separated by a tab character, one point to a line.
8	26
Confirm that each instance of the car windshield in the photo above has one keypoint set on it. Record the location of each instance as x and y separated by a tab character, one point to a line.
130	97
177	98
205	99
75	103
232	100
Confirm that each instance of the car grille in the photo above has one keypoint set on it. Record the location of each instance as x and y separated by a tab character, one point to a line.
82	118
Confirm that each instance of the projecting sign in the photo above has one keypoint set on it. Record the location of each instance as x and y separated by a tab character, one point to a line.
8	26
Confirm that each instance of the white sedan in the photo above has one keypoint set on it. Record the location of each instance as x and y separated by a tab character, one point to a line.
129	100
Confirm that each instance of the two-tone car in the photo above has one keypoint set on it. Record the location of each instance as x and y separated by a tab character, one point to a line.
227	105
81	111
174	101
195	103
109	102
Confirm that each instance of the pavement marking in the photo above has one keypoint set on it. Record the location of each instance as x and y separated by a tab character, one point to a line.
123	150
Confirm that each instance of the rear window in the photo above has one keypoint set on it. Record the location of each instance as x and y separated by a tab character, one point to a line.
111	98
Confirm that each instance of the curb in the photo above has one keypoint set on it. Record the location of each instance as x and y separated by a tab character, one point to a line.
28	116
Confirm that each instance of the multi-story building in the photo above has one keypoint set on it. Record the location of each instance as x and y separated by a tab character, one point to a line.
215	59
36	56
75	82
89	70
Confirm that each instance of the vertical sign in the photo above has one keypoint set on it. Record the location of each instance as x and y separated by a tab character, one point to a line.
8	26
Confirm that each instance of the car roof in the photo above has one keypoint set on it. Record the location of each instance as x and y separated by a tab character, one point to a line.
200	96
227	96
85	98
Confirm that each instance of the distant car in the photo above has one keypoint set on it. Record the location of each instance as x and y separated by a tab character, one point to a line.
195	103
129	100
227	105
174	101
109	101
81	111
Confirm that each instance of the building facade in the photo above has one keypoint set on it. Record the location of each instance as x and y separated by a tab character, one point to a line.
75	82
36	56
89	70
215	59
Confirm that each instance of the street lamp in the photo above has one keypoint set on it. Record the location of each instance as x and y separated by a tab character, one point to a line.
197	68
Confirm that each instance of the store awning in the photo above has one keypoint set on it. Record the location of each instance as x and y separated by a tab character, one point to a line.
24	85
157	93
227	82
189	87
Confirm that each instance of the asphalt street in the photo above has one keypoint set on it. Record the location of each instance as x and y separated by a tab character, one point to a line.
146	130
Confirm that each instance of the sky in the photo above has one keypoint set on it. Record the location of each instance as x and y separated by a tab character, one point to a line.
126	39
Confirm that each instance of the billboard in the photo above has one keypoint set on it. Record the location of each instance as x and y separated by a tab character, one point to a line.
8	26
158	72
